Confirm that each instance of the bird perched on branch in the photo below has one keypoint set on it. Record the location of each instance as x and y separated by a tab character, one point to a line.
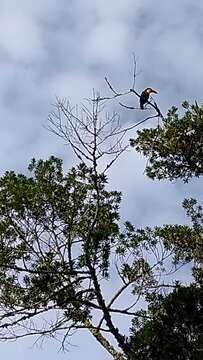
144	97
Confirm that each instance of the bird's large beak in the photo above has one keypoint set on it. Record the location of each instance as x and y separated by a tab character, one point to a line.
154	91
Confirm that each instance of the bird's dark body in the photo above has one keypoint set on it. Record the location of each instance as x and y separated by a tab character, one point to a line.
144	97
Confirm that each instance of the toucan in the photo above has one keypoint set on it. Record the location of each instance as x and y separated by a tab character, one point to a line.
144	97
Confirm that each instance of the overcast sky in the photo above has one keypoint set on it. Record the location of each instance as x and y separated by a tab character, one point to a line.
65	48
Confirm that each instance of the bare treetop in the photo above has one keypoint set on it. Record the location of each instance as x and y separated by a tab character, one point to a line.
91	132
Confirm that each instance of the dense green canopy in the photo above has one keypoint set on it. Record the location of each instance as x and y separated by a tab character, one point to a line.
62	242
